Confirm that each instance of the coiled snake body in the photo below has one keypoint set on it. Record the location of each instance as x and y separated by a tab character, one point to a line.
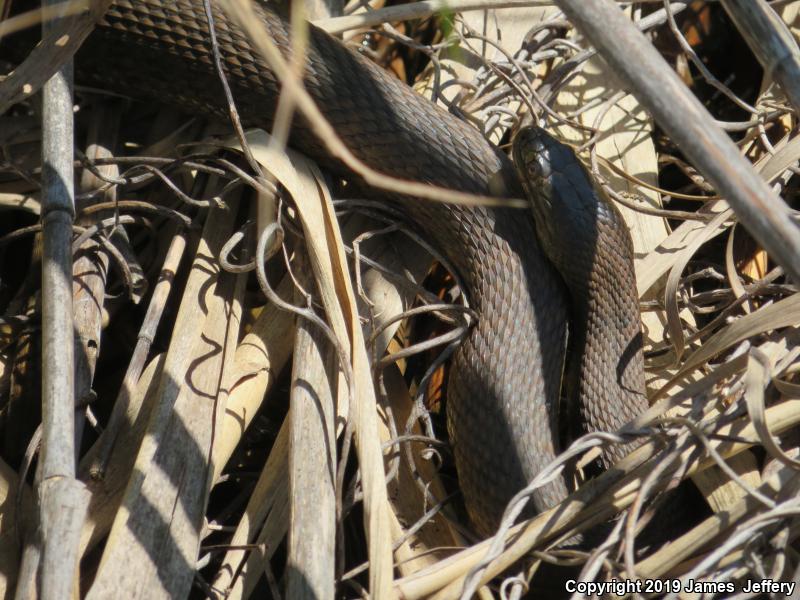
506	376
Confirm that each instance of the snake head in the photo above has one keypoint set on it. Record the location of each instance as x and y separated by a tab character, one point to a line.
540	161
567	207
574	219
531	155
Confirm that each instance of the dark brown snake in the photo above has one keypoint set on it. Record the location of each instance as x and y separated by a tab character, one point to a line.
506	377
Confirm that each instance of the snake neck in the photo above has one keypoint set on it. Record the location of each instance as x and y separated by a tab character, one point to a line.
605	381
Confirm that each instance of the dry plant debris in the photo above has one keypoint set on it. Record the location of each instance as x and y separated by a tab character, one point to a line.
269	427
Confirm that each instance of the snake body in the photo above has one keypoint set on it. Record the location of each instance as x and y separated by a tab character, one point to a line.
505	379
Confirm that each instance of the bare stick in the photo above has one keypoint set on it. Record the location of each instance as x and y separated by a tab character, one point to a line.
58	213
688	123
417	10
422	10
312	462
147	334
62	497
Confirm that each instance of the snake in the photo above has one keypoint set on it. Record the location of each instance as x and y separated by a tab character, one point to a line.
561	276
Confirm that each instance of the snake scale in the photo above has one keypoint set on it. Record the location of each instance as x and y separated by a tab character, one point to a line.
505	380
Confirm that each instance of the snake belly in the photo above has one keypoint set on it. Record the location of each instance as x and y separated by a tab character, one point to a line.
506	377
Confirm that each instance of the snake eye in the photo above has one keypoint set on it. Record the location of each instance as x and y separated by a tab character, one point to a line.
537	165
534	152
